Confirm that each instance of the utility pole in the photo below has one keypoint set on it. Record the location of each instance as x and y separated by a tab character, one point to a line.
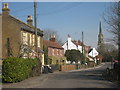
35	23
82	43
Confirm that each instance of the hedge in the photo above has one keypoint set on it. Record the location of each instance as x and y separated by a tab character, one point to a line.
17	69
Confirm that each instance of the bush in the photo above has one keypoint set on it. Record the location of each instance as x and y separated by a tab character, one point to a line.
17	69
111	74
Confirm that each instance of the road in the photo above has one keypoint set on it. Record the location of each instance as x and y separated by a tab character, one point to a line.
88	78
91	78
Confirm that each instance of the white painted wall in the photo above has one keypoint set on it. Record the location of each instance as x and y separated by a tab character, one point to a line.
65	47
69	45
80	48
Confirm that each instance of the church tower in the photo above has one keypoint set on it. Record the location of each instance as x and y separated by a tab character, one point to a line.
100	38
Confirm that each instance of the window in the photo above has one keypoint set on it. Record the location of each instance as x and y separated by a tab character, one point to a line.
50	61
21	37
30	39
57	51
38	41
53	52
57	62
33	40
60	52
25	39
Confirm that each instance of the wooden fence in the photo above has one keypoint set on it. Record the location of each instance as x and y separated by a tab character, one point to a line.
67	67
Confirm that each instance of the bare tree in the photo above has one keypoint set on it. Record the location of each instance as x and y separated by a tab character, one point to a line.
109	52
49	32
112	18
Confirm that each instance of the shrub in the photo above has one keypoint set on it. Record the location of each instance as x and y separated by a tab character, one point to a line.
17	69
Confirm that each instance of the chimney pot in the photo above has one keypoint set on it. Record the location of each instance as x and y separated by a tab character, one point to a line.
29	17
5	5
52	38
29	20
5	10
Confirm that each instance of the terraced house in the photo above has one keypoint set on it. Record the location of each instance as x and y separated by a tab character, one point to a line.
55	51
18	38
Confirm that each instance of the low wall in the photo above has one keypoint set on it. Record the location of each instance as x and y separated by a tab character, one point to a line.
67	67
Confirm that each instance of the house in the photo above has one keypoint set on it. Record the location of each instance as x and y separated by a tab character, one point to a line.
18	38
77	45
93	52
94	56
55	51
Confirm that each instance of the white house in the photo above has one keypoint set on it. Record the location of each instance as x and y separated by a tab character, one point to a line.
69	45
93	52
73	44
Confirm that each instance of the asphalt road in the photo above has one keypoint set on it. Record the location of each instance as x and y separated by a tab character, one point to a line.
90	78
83	78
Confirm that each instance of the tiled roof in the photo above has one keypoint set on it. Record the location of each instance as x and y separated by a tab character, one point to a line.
77	42
52	44
87	48
27	27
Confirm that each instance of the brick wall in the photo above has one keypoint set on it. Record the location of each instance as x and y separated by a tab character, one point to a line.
11	28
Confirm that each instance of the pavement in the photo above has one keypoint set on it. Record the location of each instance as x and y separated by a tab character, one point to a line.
28	83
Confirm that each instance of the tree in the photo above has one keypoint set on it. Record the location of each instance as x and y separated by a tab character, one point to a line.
110	51
49	32
112	18
45	55
74	55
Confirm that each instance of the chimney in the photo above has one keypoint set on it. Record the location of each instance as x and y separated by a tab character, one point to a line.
79	42
5	9
29	20
52	38
69	38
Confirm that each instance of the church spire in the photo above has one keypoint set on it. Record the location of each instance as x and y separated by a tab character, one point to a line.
100	37
100	30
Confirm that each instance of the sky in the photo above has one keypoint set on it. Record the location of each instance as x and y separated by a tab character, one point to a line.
66	18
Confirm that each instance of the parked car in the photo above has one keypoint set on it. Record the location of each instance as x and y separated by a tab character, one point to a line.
115	60
47	69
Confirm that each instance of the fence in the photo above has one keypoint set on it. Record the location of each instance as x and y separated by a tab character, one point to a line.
67	67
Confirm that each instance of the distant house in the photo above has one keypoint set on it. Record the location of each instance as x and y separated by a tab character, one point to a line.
18	38
93	52
55	51
77	45
94	56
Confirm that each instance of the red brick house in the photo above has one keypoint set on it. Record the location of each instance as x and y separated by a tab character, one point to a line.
55	51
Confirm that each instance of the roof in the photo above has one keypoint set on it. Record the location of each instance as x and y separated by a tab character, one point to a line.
52	44
77	42
27	27
90	50
87	48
